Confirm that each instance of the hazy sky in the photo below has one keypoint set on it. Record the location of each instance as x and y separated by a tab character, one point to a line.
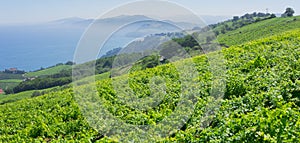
31	11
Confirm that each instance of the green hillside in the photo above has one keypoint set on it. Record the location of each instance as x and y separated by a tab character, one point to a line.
12	98
48	71
4	76
259	30
11	80
8	83
261	102
29	94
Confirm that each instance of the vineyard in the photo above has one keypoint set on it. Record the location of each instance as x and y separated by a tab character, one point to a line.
48	71
259	30
9	83
260	101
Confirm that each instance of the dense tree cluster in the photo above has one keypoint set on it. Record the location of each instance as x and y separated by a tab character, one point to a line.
288	12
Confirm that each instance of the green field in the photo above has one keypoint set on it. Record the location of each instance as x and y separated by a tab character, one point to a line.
4	76
48	71
261	101
27	94
9	83
91	78
24	95
259	30
15	97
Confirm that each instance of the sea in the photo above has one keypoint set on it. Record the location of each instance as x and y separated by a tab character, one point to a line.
33	47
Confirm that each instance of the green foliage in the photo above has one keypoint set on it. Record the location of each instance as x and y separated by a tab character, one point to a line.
187	41
15	97
288	12
238	22
41	83
261	103
37	93
4	75
28	94
259	30
60	75
9	83
48	71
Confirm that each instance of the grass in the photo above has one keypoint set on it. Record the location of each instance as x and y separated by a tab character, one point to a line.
27	94
48	71
10	76
15	97
259	30
23	95
9	83
90	78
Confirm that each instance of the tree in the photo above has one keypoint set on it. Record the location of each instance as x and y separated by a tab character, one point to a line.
187	41
273	16
254	14
70	63
8	91
288	12
235	18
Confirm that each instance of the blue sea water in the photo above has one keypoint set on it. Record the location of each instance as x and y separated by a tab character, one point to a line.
32	47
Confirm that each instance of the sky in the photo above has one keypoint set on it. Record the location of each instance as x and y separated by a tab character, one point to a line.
32	11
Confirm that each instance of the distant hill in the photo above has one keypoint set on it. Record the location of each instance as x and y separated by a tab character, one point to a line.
72	21
48	71
210	19
259	30
122	19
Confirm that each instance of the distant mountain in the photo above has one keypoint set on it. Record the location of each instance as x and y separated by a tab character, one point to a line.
112	52
45	44
209	19
118	20
123	19
184	25
147	44
72	21
126	19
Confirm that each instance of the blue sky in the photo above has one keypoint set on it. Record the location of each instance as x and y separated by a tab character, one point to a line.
31	11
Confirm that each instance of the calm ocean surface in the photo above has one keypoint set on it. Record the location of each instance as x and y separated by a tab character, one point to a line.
29	48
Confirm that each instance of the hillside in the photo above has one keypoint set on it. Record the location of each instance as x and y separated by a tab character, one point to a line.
48	71
7	83
9	80
247	23
261	103
259	30
34	93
